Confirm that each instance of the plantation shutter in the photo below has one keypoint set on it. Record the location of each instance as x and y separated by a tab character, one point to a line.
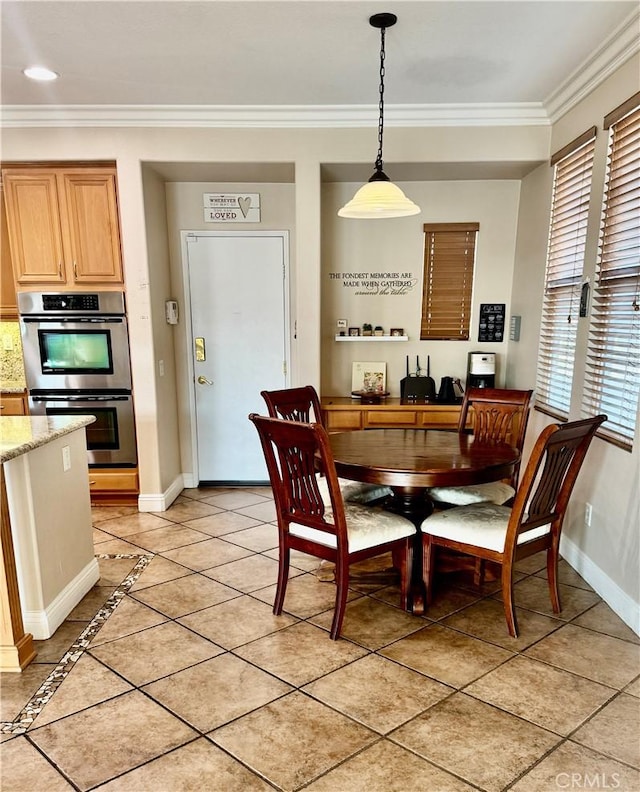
612	379
565	262
449	257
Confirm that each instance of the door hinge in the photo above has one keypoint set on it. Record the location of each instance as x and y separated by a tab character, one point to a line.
284	367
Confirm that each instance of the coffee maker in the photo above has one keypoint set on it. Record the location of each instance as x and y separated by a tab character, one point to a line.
481	370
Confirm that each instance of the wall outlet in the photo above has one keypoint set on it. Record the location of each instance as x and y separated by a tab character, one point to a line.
161	367
588	509
7	343
66	458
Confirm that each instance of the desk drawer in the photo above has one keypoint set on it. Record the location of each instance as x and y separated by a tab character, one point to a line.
440	419
343	420
391	418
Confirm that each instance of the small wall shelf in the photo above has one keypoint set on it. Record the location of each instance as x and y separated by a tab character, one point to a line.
372	338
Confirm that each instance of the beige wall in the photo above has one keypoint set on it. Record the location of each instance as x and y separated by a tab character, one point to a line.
397	246
607	552
611	476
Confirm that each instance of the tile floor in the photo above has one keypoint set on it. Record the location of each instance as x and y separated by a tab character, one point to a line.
173	674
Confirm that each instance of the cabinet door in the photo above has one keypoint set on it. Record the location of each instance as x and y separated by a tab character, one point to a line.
8	307
33	220
90	222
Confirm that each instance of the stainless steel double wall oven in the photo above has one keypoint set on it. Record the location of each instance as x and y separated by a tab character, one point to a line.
76	352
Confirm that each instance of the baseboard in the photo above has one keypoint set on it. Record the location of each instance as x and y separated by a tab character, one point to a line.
162	501
618	600
189	480
42	624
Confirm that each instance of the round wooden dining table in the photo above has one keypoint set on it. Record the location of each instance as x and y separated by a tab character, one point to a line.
412	460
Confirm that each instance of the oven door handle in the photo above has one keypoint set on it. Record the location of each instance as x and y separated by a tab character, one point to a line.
73	319
79	398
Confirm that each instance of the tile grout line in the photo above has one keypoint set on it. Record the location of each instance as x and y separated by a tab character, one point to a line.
43	694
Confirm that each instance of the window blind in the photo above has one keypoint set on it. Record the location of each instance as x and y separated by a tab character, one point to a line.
612	381
565	261
449	257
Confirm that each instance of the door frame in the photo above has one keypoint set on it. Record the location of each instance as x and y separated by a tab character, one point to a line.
185	236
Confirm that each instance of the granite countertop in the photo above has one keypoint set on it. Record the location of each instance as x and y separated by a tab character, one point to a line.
12	387
20	434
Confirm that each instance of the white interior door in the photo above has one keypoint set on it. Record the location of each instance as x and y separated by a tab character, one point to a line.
239	320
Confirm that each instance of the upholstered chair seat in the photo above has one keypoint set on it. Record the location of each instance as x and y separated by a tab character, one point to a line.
482	525
367	526
498	492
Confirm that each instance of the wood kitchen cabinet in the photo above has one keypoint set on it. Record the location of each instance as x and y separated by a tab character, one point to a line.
63	227
8	305
342	414
114	486
14	403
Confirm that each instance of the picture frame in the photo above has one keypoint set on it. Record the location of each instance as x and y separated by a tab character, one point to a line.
368	377
354	331
396	331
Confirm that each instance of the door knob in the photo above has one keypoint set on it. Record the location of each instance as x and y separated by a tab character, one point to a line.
204	381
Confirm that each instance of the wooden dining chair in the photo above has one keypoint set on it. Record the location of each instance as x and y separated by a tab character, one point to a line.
507	534
303	404
497	415
343	533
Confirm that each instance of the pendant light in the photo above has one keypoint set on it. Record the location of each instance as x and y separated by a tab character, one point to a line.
380	197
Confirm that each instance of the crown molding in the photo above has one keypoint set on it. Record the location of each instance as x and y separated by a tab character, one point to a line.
301	116
621	45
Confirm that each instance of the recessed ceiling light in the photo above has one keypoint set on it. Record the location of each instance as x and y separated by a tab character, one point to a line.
40	73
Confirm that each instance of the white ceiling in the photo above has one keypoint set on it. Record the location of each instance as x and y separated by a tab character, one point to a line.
319	56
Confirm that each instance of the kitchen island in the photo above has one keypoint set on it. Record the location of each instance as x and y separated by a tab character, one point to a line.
46	540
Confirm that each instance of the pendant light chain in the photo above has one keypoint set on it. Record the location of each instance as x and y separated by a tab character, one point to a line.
379	197
378	163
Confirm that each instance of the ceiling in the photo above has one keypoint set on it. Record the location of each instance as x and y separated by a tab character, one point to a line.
318	56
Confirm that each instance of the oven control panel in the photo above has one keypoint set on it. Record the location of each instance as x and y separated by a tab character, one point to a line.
73	303
70	302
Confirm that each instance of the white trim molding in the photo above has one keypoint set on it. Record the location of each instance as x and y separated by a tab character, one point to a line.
262	116
160	502
43	623
618	600
621	45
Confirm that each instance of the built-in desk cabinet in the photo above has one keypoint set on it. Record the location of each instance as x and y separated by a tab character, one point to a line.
63	227
342	414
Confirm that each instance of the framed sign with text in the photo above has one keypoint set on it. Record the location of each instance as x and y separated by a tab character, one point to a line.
231	207
491	326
